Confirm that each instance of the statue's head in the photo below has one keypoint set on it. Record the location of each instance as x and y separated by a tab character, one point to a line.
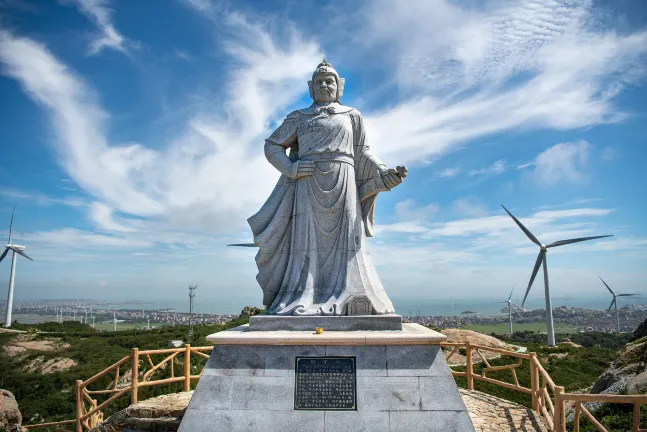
326	86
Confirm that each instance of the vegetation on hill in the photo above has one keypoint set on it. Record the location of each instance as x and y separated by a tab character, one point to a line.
51	397
574	368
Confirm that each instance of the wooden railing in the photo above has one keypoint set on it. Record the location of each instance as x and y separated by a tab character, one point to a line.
548	400
88	409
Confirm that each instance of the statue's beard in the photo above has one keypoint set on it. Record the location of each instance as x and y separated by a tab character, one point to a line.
325	96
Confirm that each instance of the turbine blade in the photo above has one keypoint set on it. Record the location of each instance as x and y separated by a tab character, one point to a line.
11	224
540	259
605	284
515	309
611	305
19	252
575	240
244	244
4	254
511	293
523	228
627	295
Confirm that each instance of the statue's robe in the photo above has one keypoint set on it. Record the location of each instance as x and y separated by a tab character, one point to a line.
311	232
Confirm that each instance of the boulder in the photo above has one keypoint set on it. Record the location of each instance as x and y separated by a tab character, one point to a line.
638	384
163	413
10	417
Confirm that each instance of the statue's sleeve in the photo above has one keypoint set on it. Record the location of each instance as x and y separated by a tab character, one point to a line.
285	136
368	173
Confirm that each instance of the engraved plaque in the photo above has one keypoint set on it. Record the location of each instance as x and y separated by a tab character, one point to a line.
325	383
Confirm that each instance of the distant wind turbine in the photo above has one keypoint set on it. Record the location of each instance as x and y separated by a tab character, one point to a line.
541	259
16	249
614	302
510	306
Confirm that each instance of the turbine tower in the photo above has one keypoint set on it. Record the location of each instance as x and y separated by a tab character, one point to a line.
509	303
541	259
614	302
16	249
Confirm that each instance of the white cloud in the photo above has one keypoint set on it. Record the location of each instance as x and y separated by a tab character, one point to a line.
41	199
566	162
99	12
496	168
69	238
103	216
408	210
469	206
450	172
468	73
197	178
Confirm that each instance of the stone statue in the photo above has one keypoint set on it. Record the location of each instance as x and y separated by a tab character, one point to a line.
311	232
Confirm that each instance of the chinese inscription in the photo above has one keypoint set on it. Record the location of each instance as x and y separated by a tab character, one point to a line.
325	383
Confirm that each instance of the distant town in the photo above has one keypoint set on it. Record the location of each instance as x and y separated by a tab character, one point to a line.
106	316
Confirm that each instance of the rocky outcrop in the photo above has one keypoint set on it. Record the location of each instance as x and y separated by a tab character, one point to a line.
641	331
626	373
163	413
10	417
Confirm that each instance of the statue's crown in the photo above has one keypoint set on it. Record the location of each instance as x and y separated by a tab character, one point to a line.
325	68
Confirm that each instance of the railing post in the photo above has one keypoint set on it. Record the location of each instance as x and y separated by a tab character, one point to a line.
135	376
187	367
559	416
636	427
470	367
534	381
79	406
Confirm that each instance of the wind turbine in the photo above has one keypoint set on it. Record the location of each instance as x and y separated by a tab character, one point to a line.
614	302
541	259
16	249
510	306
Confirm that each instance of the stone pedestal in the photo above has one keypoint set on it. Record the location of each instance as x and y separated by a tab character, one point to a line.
402	383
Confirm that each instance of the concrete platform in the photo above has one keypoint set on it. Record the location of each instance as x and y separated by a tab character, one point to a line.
330	322
411	334
402	383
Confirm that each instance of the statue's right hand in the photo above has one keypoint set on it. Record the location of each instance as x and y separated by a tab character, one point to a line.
300	169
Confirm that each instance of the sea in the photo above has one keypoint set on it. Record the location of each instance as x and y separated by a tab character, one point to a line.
485	306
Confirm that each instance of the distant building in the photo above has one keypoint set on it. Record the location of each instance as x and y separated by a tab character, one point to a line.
175	343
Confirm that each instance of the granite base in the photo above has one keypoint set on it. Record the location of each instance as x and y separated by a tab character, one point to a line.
327	322
248	383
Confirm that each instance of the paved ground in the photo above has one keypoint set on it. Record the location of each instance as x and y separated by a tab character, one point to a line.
492	414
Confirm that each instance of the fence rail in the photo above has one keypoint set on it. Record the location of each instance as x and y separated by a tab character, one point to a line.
548	399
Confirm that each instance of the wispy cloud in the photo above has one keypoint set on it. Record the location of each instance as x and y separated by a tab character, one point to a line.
99	12
450	172
496	168
468	73
562	163
41	199
194	181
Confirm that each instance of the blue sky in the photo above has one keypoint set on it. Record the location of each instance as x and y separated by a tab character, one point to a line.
131	137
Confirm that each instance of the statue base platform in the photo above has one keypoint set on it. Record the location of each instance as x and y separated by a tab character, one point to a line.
327	322
289	381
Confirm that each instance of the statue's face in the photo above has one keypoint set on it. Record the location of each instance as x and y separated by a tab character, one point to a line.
324	88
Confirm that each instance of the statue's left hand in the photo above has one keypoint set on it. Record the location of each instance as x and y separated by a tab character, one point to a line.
393	177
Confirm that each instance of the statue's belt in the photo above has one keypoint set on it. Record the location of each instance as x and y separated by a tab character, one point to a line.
328	157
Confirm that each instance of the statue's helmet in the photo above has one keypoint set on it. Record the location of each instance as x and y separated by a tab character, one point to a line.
325	68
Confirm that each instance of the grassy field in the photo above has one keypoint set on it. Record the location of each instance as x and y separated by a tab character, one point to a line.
108	326
503	328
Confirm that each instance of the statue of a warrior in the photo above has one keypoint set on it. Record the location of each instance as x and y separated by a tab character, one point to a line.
311	232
